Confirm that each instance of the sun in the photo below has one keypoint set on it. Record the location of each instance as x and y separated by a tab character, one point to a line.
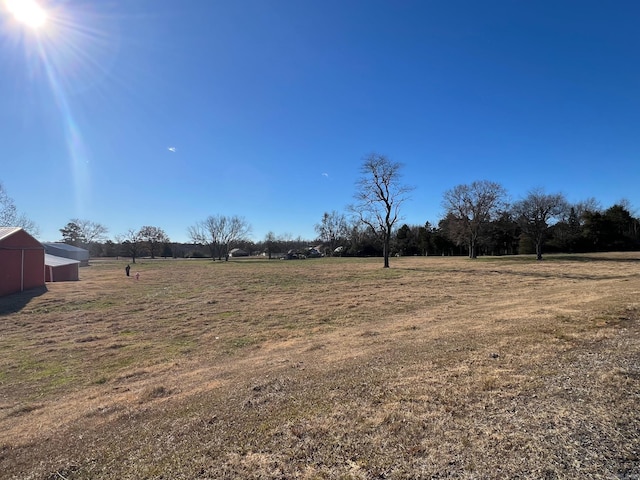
27	12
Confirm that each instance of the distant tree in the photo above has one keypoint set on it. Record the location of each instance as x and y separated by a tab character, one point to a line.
566	234
624	225
588	205
167	251
445	246
473	207
379	196
205	233
131	244
406	241
219	233
91	231
452	229
613	229
367	243
72	235
502	237
535	213
83	233
110	249
154	239
425	236
571	233
270	243
10	217
332	230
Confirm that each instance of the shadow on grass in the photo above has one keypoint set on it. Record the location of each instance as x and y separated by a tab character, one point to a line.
592	258
17	301
629	258
555	257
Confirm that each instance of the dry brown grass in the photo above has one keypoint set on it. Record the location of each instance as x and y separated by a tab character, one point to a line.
326	369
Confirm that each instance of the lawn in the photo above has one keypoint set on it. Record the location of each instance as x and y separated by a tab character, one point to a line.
438	367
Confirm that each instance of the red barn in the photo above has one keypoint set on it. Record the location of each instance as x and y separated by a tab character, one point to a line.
60	269
21	261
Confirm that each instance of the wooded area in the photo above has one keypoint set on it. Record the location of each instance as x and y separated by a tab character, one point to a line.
477	221
576	230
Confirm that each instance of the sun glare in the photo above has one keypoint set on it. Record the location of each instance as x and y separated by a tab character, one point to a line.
27	12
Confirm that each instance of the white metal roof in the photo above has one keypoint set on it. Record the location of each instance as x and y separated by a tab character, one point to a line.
53	261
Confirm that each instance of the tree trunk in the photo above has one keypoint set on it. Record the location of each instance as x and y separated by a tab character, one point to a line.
386	251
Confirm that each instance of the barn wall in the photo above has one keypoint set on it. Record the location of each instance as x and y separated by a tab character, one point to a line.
33	268
15	275
10	266
21	263
62	273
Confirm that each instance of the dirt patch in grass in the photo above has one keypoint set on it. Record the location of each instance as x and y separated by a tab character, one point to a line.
328	368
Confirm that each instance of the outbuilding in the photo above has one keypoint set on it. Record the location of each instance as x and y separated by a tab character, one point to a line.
21	261
68	251
60	269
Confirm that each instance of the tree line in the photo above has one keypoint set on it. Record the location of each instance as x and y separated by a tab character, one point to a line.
478	220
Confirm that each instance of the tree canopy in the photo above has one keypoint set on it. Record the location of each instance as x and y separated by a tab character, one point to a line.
470	208
535	212
219	233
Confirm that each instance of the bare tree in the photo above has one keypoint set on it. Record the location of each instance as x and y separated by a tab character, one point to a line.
332	229
535	213
453	230
473	207
588	205
379	196
219	233
91	231
154	238
269	243
83	233
199	235
10	217
131	244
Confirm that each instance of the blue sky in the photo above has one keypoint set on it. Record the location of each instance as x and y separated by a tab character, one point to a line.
271	105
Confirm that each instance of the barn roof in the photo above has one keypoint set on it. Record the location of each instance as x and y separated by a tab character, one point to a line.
53	261
8	231
64	246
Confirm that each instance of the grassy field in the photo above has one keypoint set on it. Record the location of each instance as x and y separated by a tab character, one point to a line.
326	369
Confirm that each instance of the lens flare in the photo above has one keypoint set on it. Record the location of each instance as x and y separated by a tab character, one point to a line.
27	12
74	54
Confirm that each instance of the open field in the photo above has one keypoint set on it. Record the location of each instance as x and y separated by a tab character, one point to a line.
326	369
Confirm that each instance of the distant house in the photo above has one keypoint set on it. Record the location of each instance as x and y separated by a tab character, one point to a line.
68	251
60	269
238	252
313	252
21	261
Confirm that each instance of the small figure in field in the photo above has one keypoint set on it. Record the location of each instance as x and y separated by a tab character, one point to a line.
127	268
137	275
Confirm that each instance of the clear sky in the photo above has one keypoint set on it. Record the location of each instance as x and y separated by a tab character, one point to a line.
162	112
